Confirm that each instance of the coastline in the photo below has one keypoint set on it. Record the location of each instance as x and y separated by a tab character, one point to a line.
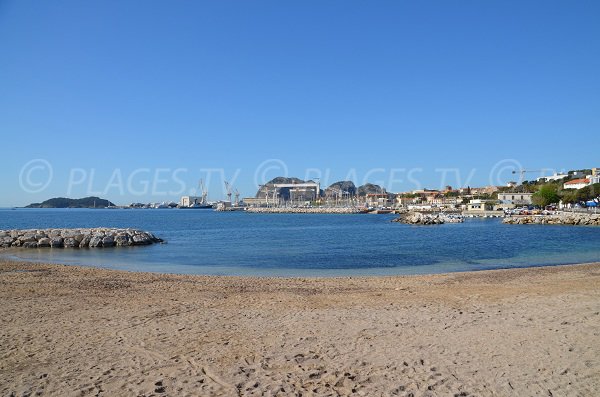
71	330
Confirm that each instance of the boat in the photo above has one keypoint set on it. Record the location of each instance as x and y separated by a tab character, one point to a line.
199	206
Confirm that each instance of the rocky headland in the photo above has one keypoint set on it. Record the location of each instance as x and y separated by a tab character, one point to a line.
76	238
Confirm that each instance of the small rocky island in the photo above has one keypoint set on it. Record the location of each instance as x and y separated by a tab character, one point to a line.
62	202
76	238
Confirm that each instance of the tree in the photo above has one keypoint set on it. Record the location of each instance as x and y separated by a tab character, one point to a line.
569	196
547	194
588	193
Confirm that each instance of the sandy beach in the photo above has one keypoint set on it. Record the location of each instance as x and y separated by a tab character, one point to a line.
74	331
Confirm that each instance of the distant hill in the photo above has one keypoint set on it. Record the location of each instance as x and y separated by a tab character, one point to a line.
343	186
369	188
62	202
283	192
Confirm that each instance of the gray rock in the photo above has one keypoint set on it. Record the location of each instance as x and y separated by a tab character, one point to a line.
96	241
85	241
70	242
122	239
30	244
54	233
108	241
56	242
141	239
28	238
42	242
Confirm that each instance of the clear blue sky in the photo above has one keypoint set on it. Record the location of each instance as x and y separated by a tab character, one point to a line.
100	89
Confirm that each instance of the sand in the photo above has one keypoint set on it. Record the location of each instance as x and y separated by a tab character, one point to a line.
73	331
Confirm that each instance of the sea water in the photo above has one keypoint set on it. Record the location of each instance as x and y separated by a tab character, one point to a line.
239	243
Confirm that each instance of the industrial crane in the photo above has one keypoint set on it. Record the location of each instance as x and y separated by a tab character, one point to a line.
204	192
237	198
228	188
523	172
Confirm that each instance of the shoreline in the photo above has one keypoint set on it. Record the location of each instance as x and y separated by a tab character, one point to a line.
7	258
10	255
72	330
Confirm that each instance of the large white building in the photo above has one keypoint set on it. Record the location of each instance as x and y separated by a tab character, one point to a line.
555	177
188	201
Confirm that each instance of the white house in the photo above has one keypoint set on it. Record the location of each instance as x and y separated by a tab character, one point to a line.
515	198
576	184
478	205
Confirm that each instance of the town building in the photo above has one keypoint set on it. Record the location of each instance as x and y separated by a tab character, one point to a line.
595	177
478	206
576	184
377	200
188	201
515	198
552	178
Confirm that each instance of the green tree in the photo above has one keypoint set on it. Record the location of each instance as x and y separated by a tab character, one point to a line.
547	194
569	196
588	193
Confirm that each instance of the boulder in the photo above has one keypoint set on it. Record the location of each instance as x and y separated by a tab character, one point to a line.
95	241
56	242
122	239
85	241
108	241
42	242
141	239
70	242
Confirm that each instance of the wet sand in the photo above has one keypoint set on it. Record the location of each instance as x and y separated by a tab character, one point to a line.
74	331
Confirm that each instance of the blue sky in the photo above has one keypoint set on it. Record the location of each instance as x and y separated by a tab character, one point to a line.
135	101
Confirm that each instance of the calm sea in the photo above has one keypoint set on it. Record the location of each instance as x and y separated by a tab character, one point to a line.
236	243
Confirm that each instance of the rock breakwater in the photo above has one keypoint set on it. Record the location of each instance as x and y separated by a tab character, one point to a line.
418	218
564	218
76	238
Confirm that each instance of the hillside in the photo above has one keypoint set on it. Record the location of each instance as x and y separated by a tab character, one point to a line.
62	202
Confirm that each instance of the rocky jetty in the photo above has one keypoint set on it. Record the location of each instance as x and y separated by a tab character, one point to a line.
76	238
418	218
313	210
563	218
